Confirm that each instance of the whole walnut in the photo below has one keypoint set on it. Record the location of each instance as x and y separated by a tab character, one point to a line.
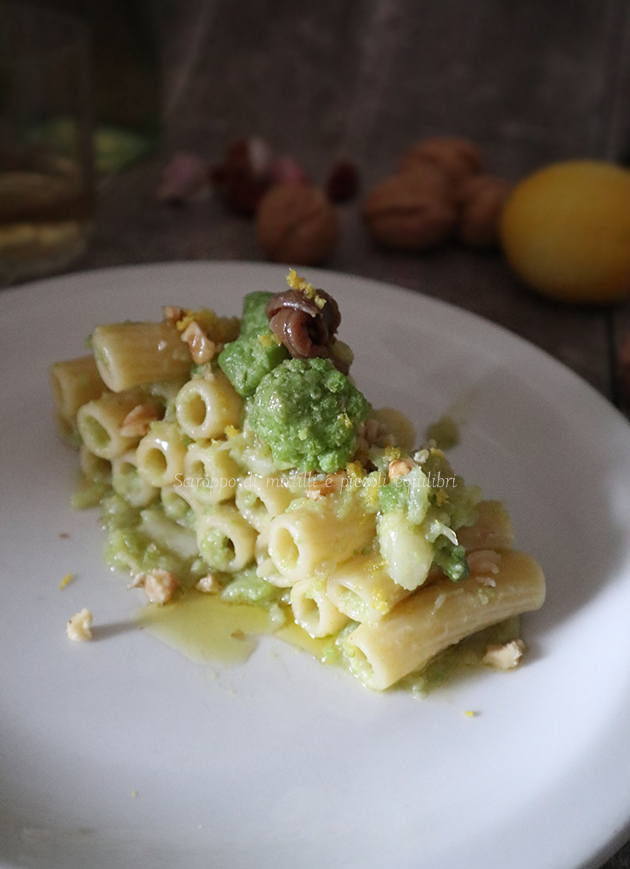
412	211
481	202
458	158
296	223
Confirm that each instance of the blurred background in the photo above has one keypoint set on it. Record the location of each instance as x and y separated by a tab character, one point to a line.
359	81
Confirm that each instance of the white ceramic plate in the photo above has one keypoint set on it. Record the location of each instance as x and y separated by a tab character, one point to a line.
123	753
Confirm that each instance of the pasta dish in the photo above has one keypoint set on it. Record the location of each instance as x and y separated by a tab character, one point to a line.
235	456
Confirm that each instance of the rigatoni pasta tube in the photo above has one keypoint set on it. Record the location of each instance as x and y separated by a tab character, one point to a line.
313	611
129	484
261	498
132	354
363	590
178	503
210	472
99	423
312	537
160	454
206	406
437	616
225	540
168	533
94	467
74	383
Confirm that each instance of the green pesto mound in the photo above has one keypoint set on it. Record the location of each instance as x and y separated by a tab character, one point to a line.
308	413
256	351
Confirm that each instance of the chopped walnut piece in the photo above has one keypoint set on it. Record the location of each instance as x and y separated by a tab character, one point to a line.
138	420
159	585
172	313
399	468
505	656
209	584
202	349
78	627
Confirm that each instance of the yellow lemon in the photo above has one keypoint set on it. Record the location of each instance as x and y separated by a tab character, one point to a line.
565	230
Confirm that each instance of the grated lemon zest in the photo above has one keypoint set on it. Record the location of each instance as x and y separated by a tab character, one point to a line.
64	582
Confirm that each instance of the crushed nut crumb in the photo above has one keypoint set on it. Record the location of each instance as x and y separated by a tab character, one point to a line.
172	313
505	656
202	349
209	584
78	627
138	420
159	585
399	468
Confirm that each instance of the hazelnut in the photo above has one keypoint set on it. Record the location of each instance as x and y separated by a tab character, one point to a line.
297	224
481	202
458	158
412	211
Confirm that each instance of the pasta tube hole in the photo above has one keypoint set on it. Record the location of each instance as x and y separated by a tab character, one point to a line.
97	435
155	462
127	482
196	409
352	604
259	511
197	470
218	549
358	663
309	609
286	545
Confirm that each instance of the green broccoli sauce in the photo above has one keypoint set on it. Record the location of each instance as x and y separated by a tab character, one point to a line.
248	359
248	588
308	413
128	546
254	320
409	493
256	351
450	558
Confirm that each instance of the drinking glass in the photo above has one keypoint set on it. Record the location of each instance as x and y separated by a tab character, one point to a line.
46	165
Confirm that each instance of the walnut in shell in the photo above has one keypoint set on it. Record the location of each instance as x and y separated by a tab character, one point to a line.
410	211
481	202
458	158
296	224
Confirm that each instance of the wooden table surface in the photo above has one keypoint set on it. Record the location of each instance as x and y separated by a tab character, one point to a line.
530	83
